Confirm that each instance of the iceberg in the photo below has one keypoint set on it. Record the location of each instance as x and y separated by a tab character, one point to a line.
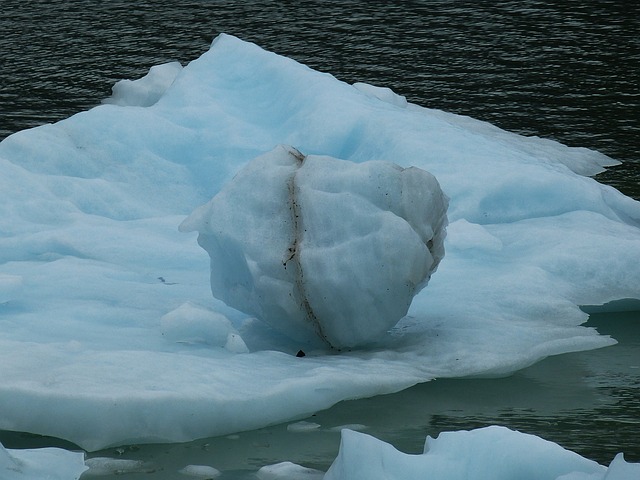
36	464
491	452
109	334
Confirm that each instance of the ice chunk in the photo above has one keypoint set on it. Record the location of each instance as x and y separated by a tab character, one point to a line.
319	246
147	90
492	452
235	344
200	471
303	426
288	471
37	464
100	466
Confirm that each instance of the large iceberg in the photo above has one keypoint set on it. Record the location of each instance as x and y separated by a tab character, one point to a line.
108	330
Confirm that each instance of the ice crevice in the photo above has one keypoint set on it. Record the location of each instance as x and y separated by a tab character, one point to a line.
296	219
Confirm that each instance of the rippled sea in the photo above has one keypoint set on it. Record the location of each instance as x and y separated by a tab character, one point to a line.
567	70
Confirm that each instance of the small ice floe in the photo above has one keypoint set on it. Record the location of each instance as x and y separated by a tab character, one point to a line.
40	463
288	471
203	472
303	426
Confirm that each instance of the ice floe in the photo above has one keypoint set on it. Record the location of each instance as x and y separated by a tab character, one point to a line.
109	333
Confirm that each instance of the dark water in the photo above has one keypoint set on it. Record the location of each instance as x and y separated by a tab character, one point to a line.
564	70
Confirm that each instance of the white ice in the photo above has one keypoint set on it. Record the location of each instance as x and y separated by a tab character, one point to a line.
326	251
109	333
288	471
39	464
147	90
491	452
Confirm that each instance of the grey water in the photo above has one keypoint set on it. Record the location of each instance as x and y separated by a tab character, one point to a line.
568	71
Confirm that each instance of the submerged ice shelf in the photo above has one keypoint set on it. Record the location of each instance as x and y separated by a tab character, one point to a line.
98	285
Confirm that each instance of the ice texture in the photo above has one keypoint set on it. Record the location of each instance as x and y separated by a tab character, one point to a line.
94	274
322	248
147	90
41	463
491	452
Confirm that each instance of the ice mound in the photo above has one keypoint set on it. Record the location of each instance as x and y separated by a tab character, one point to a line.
192	324
98	284
492	452
288	471
323	248
200	471
37	464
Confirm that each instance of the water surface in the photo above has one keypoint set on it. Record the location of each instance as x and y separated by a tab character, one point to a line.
563	70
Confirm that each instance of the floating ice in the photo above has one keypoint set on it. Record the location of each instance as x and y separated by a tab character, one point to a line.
101	466
37	464
321	248
303	426
492	452
200	471
288	471
91	259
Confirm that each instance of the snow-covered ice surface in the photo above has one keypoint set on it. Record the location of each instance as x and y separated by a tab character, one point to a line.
492	452
108	330
42	463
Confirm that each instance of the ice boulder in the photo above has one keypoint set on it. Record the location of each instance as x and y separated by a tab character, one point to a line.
322	248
